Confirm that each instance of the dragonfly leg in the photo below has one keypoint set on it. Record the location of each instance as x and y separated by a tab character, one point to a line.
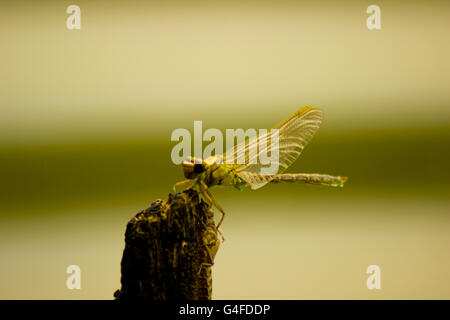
209	197
216	204
180	184
204	194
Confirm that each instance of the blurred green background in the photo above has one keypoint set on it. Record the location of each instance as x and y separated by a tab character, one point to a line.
86	119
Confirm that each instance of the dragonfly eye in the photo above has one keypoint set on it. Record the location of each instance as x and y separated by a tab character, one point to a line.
199	168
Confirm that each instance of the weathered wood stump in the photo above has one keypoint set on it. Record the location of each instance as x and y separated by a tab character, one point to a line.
169	251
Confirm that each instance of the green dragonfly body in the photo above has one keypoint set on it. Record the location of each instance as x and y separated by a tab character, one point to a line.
221	175
294	133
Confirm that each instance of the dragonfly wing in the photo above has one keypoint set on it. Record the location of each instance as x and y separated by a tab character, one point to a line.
254	180
294	133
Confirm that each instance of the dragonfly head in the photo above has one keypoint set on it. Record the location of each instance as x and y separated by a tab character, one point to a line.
193	167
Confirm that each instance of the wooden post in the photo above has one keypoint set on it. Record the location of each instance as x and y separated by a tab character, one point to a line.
169	251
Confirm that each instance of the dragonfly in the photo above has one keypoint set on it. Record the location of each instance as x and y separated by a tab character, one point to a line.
294	133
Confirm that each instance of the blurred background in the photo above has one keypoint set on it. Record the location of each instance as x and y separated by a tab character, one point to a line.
86	119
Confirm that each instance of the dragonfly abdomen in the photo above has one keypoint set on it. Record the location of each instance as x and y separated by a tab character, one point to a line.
312	178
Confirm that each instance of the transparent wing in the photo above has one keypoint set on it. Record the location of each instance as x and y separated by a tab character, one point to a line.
294	133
